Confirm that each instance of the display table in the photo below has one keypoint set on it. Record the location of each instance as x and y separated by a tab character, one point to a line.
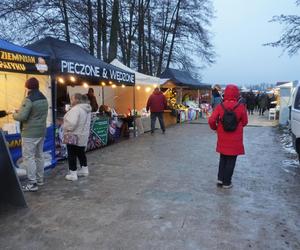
98	138
169	118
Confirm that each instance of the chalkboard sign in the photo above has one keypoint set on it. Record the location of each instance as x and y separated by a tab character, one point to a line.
10	189
100	128
99	133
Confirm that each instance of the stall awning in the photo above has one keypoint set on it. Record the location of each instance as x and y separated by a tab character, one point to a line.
183	79
14	58
139	77
69	58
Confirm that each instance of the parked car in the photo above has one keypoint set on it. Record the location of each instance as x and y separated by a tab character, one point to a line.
295	119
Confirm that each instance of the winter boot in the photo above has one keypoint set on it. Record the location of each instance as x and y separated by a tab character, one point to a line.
72	176
227	186
84	171
30	187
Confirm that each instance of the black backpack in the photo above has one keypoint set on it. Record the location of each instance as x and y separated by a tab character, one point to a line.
229	119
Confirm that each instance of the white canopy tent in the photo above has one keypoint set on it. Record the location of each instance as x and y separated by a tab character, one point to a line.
140	78
145	85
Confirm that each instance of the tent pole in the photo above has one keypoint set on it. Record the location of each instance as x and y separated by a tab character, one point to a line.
53	84
54	101
102	95
198	98
134	116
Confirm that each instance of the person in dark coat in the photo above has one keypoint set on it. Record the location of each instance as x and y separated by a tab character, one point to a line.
93	101
216	97
157	103
263	101
243	99
250	102
3	113
229	144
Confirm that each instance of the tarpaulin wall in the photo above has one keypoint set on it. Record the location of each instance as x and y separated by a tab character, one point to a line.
12	92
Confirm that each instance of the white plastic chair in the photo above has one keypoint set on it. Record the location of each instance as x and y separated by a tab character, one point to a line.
272	114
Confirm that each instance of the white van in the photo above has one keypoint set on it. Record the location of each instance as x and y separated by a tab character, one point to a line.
295	118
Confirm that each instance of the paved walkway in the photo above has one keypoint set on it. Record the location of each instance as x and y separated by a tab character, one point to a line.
159	192
254	121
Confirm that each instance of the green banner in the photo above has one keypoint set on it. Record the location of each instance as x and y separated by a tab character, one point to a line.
100	129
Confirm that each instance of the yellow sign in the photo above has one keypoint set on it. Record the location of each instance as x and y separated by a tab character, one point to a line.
12	66
15	143
10	61
15	57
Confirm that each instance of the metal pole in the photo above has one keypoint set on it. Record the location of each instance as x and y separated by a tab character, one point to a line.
134	116
102	95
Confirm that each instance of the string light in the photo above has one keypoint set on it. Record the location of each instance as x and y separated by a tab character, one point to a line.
110	82
113	86
138	87
103	84
148	89
61	80
85	85
154	85
123	86
72	78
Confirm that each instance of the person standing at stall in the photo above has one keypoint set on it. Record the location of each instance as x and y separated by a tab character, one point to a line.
229	119
33	115
216	98
157	103
3	113
250	103
93	101
76	134
263	101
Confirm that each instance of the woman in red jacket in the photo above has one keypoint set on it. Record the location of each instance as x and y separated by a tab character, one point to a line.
230	144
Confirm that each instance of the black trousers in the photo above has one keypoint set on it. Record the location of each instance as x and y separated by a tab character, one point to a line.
262	111
160	117
226	168
75	152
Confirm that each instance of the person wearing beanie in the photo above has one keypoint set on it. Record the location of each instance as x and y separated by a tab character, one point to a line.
3	113
33	115
228	119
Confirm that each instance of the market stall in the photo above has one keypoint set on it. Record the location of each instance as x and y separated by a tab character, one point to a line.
187	96
17	64
74	70
145	85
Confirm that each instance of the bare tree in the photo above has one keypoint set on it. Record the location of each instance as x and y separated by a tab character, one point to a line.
290	39
104	31
113	44
90	27
149	35
99	28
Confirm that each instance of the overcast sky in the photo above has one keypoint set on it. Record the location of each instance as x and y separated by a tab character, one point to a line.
240	28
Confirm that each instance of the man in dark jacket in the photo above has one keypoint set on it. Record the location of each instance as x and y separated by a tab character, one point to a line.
92	98
3	113
250	102
33	115
263	101
157	103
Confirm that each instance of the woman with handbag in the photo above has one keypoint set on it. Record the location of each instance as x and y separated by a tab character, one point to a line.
76	133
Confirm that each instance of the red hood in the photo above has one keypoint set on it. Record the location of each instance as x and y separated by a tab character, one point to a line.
231	93
157	92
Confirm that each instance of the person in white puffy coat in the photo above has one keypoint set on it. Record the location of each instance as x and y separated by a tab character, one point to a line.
77	124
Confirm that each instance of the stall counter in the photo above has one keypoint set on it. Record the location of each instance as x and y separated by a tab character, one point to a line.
98	138
169	118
